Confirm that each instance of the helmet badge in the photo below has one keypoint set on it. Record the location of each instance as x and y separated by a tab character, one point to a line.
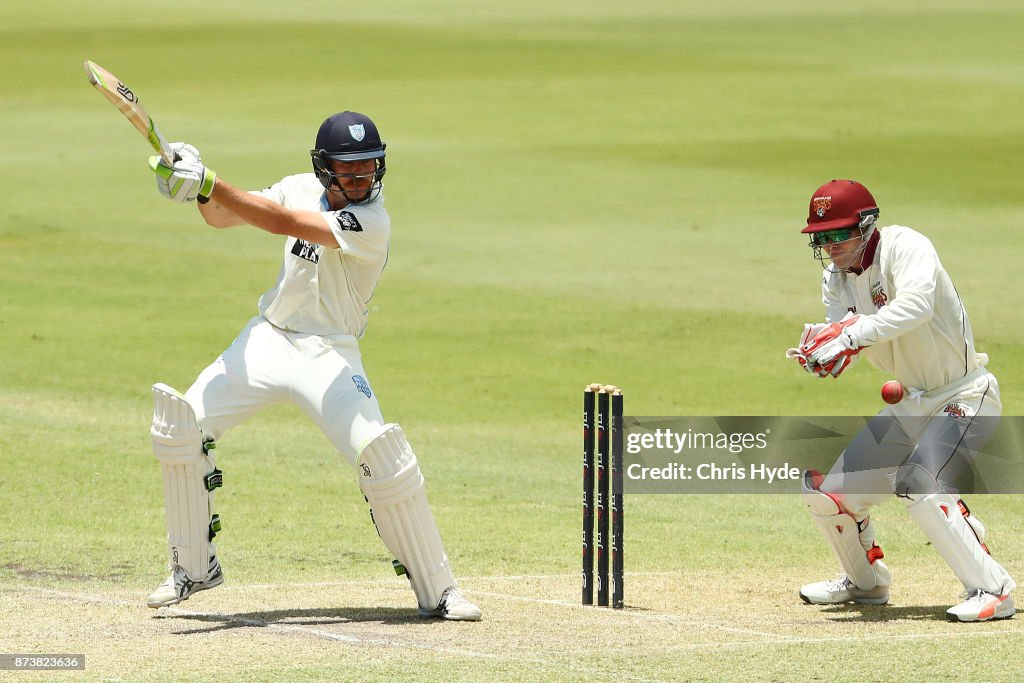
357	131
822	205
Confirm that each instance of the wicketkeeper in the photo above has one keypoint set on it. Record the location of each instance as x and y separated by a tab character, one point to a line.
888	298
301	348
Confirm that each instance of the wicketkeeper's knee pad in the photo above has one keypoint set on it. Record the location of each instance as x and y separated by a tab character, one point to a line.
958	537
390	478
853	543
190	478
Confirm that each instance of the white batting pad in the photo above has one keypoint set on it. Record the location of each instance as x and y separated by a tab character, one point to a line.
390	478
957	542
190	475
842	533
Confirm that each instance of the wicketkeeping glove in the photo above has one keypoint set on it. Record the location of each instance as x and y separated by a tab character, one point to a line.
833	348
810	330
187	179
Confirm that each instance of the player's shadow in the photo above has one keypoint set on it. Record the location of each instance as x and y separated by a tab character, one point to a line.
300	618
884	613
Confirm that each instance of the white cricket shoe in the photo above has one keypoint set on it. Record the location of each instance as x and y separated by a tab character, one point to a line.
179	587
841	590
982	606
453	606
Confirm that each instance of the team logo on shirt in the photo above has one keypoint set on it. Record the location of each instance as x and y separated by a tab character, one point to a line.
957	409
307	251
878	295
361	385
822	205
348	221
357	131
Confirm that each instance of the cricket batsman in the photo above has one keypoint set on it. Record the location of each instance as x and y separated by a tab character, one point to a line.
301	348
888	298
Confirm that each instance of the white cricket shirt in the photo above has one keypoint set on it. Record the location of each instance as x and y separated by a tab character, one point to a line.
914	321
321	290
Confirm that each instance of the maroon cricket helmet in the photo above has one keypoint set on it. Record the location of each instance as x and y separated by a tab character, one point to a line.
839	204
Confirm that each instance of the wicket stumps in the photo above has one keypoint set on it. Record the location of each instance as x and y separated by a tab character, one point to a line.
606	400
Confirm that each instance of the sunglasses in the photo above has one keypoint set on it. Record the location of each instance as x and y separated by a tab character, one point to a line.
820	239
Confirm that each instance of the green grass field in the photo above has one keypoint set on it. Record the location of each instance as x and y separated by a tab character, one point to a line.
579	191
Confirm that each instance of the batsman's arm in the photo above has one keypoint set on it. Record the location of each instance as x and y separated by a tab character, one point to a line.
223	205
217	215
229	206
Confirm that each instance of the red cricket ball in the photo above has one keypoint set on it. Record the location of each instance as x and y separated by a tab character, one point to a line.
892	391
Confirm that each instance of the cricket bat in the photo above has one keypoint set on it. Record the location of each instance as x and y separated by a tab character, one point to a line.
129	104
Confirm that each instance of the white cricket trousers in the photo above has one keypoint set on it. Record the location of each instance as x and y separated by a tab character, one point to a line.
863	474
266	365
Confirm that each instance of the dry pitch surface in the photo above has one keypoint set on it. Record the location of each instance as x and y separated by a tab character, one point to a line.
677	626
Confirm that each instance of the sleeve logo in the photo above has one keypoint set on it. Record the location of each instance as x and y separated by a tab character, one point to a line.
307	251
348	221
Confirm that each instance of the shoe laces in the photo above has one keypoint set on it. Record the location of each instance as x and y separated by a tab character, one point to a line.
976	595
840	583
180	577
452	596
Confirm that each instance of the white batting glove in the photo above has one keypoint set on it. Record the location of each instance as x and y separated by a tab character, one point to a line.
186	179
182	151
